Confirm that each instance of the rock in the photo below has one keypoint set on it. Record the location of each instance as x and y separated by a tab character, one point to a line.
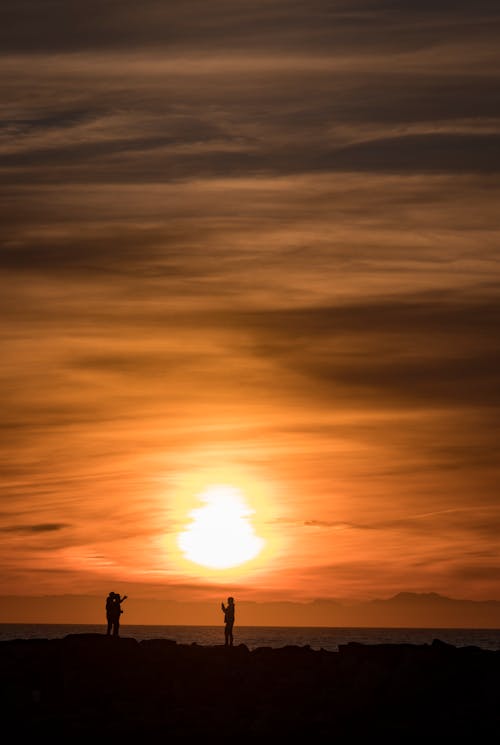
93	686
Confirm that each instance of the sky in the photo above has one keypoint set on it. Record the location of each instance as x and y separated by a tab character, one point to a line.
250	266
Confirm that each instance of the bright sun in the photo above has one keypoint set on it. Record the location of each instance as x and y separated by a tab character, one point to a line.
220	535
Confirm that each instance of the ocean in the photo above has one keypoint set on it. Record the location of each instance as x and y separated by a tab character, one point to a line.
266	636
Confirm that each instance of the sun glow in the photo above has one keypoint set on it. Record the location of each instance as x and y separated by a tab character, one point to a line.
221	534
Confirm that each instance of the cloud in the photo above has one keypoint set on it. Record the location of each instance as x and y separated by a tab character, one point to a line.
441	352
259	234
228	127
277	24
37	528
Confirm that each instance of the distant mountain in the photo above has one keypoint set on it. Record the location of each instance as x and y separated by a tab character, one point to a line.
406	609
431	609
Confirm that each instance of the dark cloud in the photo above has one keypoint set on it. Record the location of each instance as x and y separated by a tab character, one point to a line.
292	124
445	312
69	24
39	528
284	88
479	524
119	251
433	153
435	352
159	363
469	572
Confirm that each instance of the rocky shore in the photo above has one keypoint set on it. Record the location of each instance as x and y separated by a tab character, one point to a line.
92	687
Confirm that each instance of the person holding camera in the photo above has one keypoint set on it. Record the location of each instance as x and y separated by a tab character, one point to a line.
228	611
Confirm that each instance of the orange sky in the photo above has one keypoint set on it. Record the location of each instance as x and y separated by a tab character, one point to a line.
256	246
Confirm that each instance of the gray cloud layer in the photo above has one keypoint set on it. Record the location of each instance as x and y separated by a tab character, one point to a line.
72	25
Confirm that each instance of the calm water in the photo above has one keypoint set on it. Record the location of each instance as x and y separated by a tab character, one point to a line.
266	636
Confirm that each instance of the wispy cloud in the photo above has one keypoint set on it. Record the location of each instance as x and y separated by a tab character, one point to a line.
260	238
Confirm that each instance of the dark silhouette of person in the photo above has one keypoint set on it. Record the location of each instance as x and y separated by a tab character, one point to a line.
113	613
110	601
228	611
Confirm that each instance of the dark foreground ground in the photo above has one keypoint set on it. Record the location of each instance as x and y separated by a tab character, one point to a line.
88	687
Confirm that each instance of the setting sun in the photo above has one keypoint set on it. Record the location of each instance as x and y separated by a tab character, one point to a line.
220	534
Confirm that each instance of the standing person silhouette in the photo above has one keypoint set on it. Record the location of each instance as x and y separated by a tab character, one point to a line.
109	612
113	613
228	611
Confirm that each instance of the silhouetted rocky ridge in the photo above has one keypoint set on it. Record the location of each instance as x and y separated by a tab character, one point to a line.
96	687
